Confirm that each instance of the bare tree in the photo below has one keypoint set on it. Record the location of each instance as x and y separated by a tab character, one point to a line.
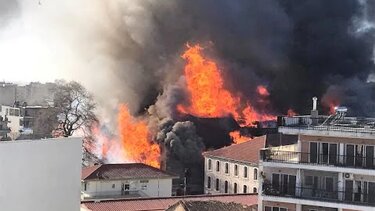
75	106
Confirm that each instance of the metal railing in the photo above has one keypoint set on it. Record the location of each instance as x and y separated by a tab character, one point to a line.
362	162
349	197
325	123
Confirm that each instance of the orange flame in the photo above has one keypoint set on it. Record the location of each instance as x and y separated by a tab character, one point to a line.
208	96
262	90
291	112
238	138
135	139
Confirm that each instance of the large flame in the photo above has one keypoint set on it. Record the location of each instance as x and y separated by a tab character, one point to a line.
208	96
237	138
135	139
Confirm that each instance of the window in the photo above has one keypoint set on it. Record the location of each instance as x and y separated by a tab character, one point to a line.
235	170
217	185
113	185
255	190
226	186
284	183
235	188
85	186
144	187
329	184
217	166
226	168
267	208
245	189
209	164
208	182
245	171
255	174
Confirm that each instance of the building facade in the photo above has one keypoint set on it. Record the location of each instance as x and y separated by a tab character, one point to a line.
12	116
233	169
124	180
332	167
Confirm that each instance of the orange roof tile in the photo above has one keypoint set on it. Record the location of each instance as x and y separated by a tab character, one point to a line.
246	151
142	204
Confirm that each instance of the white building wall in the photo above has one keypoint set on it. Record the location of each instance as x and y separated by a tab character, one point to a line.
41	175
144	187
14	120
250	181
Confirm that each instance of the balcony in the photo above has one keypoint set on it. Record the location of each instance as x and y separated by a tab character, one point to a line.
337	126
360	162
348	197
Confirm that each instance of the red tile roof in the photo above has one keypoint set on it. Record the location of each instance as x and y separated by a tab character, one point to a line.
142	204
246	152
123	171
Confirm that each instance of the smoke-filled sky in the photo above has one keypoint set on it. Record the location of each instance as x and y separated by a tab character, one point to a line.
127	51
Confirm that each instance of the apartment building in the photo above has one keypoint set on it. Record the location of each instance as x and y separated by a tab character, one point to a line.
233	169
12	117
330	168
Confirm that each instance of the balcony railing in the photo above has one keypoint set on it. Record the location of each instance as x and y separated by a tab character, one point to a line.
329	123
309	193
361	162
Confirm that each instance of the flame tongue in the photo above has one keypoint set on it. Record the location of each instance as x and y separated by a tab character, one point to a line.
208	96
135	139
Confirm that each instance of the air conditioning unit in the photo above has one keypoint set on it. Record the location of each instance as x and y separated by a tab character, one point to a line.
348	176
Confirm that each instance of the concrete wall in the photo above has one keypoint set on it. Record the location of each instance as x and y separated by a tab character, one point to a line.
41	175
144	187
230	176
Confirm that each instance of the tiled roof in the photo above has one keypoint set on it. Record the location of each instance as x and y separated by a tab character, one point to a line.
163	203
123	171
246	151
210	206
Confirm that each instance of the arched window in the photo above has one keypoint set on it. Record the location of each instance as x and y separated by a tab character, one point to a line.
209	164
245	189
255	190
208	182
245	171
217	185
235	188
255	174
217	166
235	170
226	186
226	168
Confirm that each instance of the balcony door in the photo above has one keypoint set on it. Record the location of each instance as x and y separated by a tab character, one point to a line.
323	153
370	157
284	184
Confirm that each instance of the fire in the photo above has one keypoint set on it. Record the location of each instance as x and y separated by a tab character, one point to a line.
262	91
135	139
291	112
238	138
208	96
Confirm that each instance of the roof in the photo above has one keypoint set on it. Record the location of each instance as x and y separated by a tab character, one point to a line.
245	152
210	206
122	171
163	203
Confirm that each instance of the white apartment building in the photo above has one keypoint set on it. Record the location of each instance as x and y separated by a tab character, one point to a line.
233	169
125	180
14	120
331	168
41	175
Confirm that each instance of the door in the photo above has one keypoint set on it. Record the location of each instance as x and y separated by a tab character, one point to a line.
333	154
350	155
324	157
370	157
126	188
359	155
348	190
371	192
313	152
292	185
275	182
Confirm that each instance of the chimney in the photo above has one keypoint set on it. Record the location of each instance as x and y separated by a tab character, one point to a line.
314	112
